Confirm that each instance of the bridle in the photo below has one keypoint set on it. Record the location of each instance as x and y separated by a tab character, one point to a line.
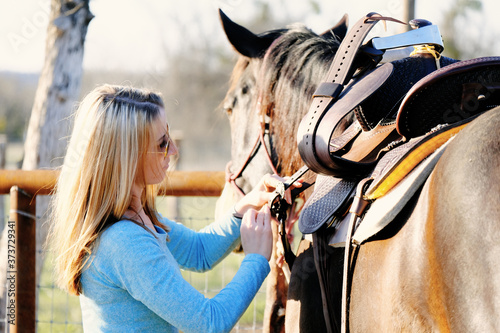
259	142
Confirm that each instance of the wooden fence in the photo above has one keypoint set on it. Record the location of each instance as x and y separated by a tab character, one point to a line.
23	187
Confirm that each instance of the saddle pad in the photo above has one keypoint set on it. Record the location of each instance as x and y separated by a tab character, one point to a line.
330	195
396	164
450	94
384	210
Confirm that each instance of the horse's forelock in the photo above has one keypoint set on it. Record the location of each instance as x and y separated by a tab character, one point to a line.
238	71
292	68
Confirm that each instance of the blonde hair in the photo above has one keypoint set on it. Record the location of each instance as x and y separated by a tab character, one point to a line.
111	134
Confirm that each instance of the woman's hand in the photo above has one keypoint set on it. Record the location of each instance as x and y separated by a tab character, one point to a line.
262	193
256	233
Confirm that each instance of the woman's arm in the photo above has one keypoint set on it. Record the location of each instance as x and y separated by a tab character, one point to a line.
202	250
135	261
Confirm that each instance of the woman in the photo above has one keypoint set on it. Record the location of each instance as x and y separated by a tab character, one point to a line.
121	256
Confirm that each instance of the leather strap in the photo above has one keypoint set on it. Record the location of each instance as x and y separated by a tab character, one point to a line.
279	207
339	74
318	244
357	209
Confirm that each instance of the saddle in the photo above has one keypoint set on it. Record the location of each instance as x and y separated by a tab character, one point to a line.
353	117
343	128
351	134
396	104
449	95
374	138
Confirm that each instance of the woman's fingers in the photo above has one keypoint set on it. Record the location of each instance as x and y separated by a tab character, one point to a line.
256	233
260	219
272	181
265	211
264	192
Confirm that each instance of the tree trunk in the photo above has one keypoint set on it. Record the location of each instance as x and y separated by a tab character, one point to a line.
56	95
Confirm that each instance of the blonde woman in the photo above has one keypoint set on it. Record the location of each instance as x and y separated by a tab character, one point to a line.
121	256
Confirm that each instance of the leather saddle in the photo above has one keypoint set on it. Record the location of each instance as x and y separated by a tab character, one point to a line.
353	119
445	99
449	95
352	133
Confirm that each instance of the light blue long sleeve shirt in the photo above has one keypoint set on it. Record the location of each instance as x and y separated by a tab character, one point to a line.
134	283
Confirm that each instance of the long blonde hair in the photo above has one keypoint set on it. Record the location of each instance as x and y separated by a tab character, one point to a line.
111	134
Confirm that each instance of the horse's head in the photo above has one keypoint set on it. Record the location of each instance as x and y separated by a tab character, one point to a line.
270	89
240	102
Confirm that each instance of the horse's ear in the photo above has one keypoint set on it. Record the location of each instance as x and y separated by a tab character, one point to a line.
243	40
339	30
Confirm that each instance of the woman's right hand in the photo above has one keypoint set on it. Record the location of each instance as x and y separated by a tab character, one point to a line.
256	232
263	192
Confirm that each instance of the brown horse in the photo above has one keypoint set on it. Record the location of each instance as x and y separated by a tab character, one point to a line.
439	272
434	268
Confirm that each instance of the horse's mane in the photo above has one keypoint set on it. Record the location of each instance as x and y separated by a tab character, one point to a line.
292	68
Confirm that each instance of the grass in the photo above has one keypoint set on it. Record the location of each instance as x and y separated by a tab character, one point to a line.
60	312
57	310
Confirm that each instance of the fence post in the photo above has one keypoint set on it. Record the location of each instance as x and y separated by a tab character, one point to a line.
3	160
21	263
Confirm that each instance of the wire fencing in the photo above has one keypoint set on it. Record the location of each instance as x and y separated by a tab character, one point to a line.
60	312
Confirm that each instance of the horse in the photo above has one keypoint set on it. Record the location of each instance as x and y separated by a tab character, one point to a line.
434	268
437	273
263	123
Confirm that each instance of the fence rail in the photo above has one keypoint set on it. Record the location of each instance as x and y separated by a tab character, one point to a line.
178	183
23	187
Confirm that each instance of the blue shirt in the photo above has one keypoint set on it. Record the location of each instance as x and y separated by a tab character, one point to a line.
134	283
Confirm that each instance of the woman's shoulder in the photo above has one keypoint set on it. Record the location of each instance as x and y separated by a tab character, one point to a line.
122	233
122	228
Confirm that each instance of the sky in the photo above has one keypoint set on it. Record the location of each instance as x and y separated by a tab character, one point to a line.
138	35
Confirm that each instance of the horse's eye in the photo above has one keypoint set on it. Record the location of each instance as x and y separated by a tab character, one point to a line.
244	90
227	107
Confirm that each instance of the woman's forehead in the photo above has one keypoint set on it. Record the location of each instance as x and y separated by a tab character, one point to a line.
161	127
163	118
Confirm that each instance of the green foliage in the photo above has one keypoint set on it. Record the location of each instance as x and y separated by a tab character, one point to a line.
17	92
459	44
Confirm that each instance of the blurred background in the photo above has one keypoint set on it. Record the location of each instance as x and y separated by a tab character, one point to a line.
179	48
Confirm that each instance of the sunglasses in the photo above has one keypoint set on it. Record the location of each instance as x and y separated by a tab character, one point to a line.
164	147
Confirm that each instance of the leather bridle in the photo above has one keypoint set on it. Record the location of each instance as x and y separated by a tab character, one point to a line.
259	142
